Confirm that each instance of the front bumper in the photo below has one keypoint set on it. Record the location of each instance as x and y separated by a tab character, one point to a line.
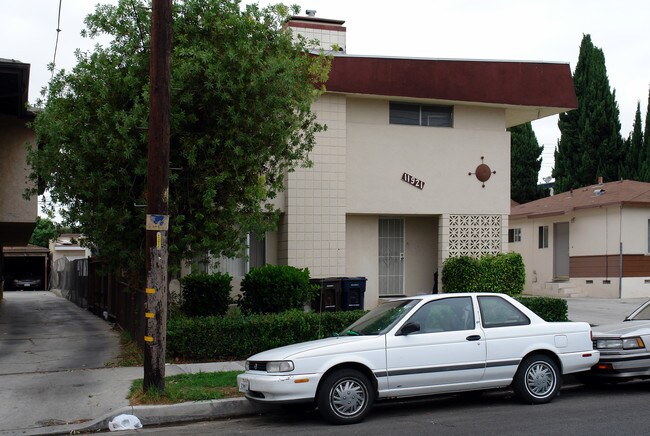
622	366
278	388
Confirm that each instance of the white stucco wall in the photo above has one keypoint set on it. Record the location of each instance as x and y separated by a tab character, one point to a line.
361	232
378	153
538	261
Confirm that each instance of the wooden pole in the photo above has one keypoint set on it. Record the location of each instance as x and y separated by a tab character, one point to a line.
157	220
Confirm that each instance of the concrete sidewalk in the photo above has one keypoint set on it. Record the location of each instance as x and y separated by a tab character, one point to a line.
85	400
65	402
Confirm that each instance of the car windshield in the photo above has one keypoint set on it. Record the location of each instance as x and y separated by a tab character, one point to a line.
380	319
643	315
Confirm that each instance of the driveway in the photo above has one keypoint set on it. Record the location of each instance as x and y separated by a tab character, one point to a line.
40	332
48	347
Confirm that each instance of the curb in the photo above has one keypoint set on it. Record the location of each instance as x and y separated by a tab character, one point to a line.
165	414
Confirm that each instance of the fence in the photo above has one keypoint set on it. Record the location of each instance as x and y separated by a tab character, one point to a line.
92	285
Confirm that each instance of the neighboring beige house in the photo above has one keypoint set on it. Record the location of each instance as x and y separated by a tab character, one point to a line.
17	215
67	245
413	168
592	241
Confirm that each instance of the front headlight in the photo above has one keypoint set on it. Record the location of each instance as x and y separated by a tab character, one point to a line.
280	366
620	344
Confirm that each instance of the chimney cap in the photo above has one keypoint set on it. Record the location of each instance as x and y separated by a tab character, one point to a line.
311	12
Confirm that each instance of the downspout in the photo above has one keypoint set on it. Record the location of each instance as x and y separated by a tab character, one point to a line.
620	252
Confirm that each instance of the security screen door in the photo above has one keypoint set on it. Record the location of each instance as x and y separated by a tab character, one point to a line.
391	256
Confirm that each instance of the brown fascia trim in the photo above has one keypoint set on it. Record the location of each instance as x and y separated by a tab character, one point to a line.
534	84
598	205
536	215
635	203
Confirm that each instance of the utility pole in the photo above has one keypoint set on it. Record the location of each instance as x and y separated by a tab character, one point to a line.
158	197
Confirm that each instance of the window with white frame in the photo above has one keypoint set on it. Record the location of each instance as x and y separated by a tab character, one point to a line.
543	237
413	114
254	257
514	235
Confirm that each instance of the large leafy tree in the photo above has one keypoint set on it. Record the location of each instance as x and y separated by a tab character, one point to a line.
242	91
45	231
590	144
525	163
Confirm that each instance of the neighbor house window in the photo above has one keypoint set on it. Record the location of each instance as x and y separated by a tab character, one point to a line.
421	115
543	236
514	235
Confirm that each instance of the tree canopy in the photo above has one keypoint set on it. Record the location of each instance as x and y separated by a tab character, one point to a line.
525	163
590	145
45	231
242	89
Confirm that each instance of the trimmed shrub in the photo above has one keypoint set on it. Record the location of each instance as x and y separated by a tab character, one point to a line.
548	308
240	336
503	273
459	274
206	294
275	289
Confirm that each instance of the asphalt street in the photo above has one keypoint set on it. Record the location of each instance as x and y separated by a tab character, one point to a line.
53	377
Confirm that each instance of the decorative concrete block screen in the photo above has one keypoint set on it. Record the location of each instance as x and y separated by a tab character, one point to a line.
474	235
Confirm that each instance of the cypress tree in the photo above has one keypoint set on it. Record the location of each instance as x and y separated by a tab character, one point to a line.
633	149
645	152
525	163
590	143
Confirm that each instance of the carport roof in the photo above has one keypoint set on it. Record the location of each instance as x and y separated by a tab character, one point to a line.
28	251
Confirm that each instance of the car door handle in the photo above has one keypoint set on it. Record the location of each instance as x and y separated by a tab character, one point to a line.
473	338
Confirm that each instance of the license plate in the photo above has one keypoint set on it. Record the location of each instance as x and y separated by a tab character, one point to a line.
244	385
27	285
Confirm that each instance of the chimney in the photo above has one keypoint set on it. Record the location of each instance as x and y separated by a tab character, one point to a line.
329	33
600	180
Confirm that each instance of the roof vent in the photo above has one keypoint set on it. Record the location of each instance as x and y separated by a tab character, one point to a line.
311	12
599	192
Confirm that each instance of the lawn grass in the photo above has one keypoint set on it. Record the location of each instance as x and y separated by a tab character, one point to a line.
181	388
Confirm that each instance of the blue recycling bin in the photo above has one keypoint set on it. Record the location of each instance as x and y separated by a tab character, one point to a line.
353	290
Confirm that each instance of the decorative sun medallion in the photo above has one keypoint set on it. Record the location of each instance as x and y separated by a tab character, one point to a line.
483	172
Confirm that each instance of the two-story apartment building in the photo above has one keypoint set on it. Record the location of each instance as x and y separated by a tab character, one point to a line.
414	166
17	215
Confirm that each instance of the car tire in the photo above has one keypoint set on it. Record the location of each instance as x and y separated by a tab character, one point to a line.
537	380
345	396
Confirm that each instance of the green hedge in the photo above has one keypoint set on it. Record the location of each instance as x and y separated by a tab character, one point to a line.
549	308
504	273
206	294
238	336
275	289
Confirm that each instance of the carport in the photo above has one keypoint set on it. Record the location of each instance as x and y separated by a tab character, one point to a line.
21	262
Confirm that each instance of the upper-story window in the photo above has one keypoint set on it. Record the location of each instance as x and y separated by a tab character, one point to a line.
414	114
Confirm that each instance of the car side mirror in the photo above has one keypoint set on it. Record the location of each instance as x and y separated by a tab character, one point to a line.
409	327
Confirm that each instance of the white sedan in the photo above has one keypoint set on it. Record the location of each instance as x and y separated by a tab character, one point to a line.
423	345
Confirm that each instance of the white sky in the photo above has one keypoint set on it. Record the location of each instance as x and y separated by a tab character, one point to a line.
537	30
